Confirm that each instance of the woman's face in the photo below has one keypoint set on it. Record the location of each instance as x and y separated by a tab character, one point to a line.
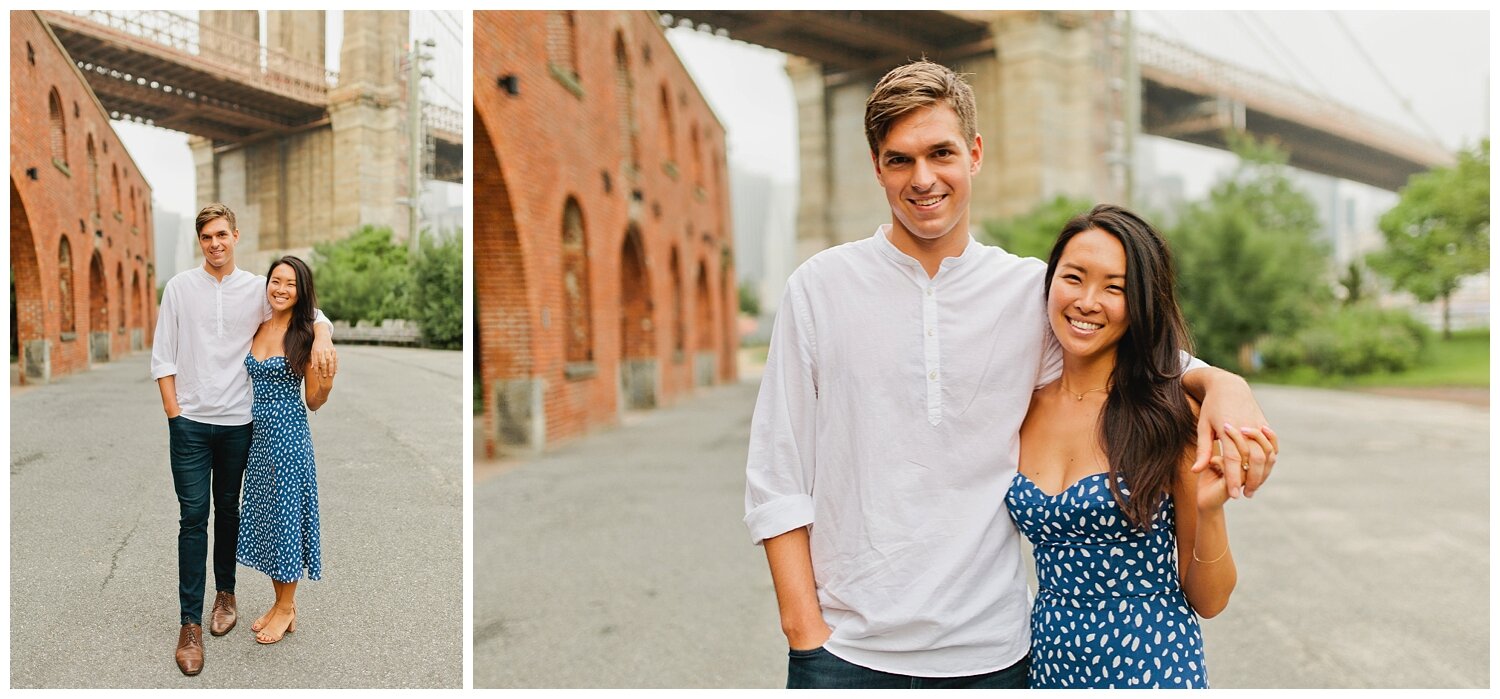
281	288
1086	303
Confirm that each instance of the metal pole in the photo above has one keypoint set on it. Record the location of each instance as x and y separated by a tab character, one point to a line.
414	155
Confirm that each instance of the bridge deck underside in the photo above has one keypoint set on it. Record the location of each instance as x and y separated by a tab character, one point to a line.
850	40
191	93
1338	148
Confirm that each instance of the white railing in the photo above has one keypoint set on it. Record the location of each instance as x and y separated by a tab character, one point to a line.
240	56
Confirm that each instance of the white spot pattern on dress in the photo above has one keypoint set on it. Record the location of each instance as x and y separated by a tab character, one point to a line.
279	514
1101	623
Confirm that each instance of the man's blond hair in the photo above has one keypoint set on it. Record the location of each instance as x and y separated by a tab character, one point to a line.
914	86
213	211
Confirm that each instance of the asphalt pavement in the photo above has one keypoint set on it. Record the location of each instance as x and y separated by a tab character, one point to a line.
620	560
93	567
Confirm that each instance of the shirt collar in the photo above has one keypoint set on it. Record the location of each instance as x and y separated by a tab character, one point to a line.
210	278
883	242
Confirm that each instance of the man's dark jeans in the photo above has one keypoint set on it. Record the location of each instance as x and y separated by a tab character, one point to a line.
819	669
206	459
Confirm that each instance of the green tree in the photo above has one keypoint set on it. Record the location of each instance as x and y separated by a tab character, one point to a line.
363	277
437	276
749	300
1032	234
1248	261
1439	232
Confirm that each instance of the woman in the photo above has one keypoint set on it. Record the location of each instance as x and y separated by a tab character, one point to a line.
1129	542
279	516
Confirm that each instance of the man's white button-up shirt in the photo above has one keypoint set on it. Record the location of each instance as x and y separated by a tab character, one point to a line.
888	419
203	331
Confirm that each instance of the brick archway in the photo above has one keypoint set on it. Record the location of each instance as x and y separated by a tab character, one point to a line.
639	367
29	341
98	325
705	356
510	391
139	313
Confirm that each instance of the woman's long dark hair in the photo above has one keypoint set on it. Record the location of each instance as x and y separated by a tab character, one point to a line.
1147	423
299	331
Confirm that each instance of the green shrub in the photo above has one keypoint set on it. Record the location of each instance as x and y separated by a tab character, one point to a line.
1349	341
363	277
437	276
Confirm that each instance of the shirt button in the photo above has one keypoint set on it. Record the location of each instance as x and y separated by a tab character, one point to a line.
932	375
931	332
929	291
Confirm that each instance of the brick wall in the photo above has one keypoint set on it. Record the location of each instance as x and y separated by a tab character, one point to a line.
567	135
55	184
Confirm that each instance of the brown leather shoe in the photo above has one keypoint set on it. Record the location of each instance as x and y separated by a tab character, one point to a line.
224	616
190	649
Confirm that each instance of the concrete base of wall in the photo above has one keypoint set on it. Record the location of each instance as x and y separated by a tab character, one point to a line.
521	420
36	361
137	340
705	368
99	347
638	381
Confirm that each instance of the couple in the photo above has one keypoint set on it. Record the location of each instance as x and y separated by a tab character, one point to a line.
925	395
235	356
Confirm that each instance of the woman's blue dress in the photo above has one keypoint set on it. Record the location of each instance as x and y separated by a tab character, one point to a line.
1109	611
279	513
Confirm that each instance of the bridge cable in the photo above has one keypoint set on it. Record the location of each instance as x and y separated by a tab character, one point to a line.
1255	36
438	18
1404	102
1292	56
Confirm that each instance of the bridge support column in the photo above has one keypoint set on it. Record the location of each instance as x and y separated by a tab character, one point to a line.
814	222
1058	98
369	136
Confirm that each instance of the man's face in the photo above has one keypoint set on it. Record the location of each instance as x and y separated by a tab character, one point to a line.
926	169
217	242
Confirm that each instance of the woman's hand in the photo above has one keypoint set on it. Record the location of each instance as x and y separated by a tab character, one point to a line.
1213	486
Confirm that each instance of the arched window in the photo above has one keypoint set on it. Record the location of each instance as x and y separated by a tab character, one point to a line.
93	172
625	93
562	41
114	178
124	300
579	339
65	284
137	302
133	222
679	323
59	128
697	155
668	146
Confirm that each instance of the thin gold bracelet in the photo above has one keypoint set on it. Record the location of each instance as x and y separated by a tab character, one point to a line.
1216	560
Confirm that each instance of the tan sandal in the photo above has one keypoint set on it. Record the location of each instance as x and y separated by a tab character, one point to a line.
290	627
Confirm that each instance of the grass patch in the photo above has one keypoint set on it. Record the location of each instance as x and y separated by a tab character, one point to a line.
1463	361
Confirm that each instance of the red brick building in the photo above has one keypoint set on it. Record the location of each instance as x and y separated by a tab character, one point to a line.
80	218
603	259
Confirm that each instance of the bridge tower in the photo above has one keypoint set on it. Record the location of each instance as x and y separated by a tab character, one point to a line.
320	181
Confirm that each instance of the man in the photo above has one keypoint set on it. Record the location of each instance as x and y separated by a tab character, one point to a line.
886	429
207	318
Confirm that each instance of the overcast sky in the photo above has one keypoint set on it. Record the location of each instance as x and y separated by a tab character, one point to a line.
1437	62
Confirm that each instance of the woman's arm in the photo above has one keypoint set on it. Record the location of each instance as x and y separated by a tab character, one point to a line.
1205	563
316	388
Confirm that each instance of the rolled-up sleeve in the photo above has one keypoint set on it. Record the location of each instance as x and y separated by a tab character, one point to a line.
1189	362
164	341
779	470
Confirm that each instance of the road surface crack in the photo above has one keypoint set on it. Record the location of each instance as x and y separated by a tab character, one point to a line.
114	560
